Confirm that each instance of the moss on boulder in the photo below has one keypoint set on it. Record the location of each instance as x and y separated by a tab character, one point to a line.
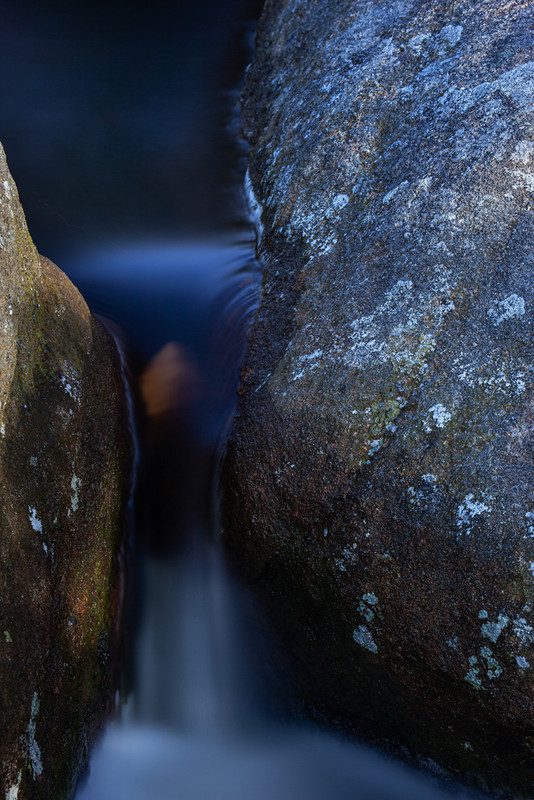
65	457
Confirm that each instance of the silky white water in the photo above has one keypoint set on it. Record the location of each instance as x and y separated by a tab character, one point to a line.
195	730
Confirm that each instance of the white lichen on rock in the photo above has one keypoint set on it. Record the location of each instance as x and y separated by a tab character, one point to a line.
349	556
13	791
493	378
473	673
511	307
34	521
524	151
451	34
437	417
492	630
340	201
492	667
403	328
306	363
70	383
418	42
34	751
366	606
469	509
75	486
523	631
425	494
494	670
364	638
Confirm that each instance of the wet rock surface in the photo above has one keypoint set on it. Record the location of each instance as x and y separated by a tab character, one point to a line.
379	478
64	472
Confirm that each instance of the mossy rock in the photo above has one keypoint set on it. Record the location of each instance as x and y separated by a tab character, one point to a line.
378	486
65	455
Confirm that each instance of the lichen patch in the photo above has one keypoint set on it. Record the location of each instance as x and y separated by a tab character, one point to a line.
492	630
512	307
364	638
366	606
34	751
13	791
523	631
436	417
473	673
34	521
469	509
75	497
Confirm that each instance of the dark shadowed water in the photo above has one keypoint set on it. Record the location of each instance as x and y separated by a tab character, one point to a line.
117	123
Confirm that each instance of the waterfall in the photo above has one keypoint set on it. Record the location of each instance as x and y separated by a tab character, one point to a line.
192	677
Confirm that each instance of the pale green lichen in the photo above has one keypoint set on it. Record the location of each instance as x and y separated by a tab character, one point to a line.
364	638
365	606
34	751
366	612
523	631
7	637
370	598
469	509
494	670
472	675
381	415
437	417
492	630
75	486
511	307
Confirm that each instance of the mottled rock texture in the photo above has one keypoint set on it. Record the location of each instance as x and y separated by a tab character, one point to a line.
64	465
379	479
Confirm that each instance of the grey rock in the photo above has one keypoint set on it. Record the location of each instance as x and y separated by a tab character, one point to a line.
383	443
65	456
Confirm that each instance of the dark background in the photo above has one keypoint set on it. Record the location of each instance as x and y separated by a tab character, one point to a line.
113	115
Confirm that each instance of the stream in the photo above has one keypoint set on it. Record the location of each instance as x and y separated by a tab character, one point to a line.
120	129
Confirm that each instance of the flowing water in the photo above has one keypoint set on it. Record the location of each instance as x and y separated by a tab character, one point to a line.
114	126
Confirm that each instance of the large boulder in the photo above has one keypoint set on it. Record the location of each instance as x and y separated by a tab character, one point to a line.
379	482
64	474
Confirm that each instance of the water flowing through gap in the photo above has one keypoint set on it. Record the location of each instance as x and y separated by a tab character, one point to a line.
197	727
114	128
